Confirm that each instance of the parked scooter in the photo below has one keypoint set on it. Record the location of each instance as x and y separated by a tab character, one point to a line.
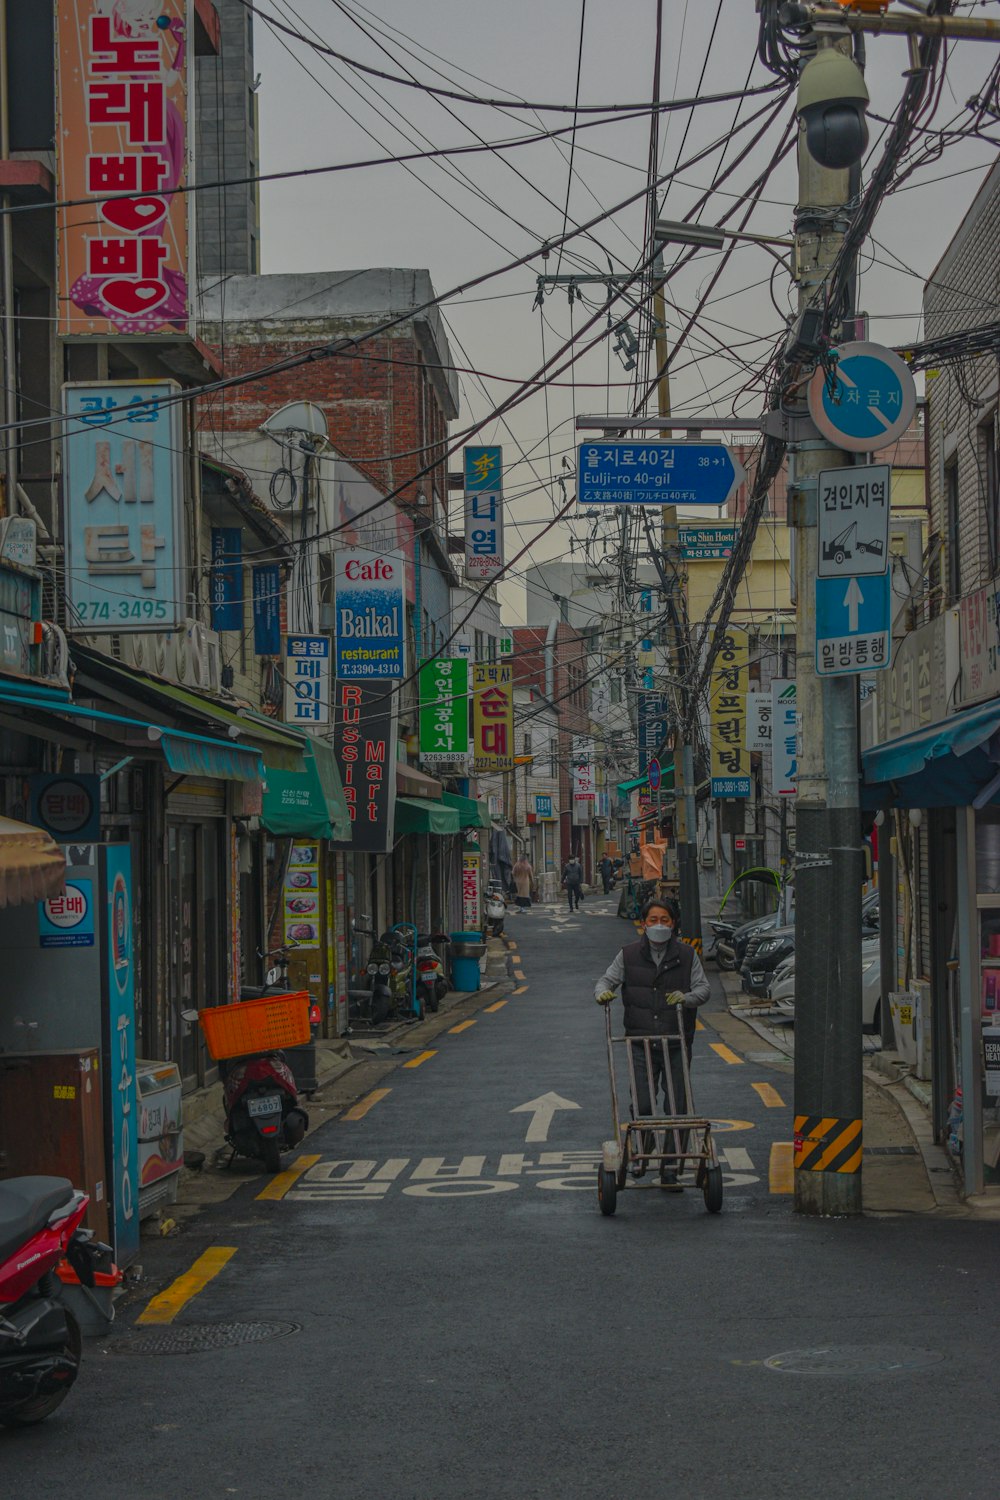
496	908
40	1344
263	1114
432	984
721	933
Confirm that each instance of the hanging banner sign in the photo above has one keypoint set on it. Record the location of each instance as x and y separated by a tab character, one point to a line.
583	767
122	127
307	679
483	512
784	737
301	899
471	915
654	725
758	721
123	497
370	615
730	760
267	610
444	710
492	716
225	585
364	742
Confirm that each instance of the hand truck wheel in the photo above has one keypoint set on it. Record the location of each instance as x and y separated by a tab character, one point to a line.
607	1190
712	1188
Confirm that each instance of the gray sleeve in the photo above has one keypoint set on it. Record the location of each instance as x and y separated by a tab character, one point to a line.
699	991
612	978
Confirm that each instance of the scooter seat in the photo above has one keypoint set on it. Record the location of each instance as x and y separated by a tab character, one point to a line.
26	1204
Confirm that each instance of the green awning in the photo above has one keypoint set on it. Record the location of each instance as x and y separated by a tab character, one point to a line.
425	816
473	814
309	803
666	781
193	756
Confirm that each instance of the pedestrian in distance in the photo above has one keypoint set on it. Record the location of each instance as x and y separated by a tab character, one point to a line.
607	870
572	879
662	985
524	878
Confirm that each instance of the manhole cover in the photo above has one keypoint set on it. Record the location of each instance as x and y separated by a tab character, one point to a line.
194	1338
853	1359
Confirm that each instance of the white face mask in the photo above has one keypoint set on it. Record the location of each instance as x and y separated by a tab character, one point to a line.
659	933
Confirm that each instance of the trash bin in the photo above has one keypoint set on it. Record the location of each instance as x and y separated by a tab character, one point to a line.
465	974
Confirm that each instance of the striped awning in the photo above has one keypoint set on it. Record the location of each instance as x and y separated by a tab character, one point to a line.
32	864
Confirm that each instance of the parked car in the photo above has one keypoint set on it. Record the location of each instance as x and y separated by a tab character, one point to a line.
731	951
781	990
768	948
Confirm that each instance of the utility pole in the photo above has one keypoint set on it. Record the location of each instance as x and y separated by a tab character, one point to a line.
829	867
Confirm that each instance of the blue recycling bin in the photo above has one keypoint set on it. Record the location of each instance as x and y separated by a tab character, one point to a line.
465	974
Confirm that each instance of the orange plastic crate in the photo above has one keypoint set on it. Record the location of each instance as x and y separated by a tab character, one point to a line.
263	1025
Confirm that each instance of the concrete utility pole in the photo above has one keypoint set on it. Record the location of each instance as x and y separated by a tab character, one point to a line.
829	868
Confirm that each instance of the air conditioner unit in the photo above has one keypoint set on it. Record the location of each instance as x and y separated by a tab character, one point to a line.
196	657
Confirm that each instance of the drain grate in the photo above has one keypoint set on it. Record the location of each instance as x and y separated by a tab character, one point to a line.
890	1151
853	1359
196	1338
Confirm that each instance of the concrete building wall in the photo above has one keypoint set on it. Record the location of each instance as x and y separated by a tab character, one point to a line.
228	219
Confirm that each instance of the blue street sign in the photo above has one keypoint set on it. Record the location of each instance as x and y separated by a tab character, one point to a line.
653	775
656	474
869	402
853	617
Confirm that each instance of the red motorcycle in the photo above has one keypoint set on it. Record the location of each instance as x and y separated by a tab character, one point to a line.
40	1344
263	1115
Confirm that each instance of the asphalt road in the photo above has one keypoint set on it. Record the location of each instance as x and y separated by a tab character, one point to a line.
467	1324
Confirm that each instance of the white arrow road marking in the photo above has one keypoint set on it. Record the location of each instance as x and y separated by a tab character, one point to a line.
736	1158
542	1110
853	599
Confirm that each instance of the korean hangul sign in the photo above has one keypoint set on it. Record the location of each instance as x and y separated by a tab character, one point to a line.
67	807
123	491
471	916
307	679
784	737
370	615
727	716
267	609
583	768
758	720
543	807
853	510
483	512
492	716
225	583
122	129
67	920
444	710
364	741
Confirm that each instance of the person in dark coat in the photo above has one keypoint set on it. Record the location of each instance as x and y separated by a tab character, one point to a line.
607	869
662	985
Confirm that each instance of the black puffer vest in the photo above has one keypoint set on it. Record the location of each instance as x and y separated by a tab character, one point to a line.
644	989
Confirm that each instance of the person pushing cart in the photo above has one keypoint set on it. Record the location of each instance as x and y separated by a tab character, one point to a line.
662	985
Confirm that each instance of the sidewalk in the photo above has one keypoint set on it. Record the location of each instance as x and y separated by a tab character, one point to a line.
346	1069
905	1170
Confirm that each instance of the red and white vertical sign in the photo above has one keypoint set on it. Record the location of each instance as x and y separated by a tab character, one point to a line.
122	137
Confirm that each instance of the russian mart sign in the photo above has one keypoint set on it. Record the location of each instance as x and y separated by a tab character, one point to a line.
364	742
122	127
123	494
370	616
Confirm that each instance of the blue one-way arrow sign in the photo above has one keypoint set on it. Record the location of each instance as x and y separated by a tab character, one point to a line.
657	474
853	618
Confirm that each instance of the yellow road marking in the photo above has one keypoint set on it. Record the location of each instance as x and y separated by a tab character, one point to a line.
770	1095
282	1181
781	1168
518	974
462	1026
726	1053
421	1057
357	1111
497	1005
699	1026
165	1306
511	945
521	990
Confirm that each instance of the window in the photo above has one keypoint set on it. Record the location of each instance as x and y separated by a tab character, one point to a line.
989	469
616	690
491	647
954	579
480	650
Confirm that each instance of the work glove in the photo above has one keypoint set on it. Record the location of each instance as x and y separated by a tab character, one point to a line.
676	997
605	997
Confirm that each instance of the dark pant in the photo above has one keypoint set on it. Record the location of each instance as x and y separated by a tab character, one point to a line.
646	1088
607	882
573	896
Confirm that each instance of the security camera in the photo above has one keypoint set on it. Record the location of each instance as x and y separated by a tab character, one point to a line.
831	104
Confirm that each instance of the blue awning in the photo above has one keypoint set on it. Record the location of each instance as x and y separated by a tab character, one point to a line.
945	765
202	757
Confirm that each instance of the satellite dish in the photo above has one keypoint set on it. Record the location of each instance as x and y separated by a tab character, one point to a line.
296	416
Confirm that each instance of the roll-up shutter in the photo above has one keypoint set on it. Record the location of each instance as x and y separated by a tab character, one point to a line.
197	799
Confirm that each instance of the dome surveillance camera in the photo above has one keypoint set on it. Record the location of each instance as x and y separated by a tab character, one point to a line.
831	104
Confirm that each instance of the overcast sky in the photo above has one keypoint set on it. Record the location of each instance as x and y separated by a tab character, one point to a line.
471	215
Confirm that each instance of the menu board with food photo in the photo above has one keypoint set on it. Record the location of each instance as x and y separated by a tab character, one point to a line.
300	898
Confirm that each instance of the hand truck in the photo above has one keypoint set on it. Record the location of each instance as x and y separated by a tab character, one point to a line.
644	1140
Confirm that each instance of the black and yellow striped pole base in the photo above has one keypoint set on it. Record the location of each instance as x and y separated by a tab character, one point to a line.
826	1144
